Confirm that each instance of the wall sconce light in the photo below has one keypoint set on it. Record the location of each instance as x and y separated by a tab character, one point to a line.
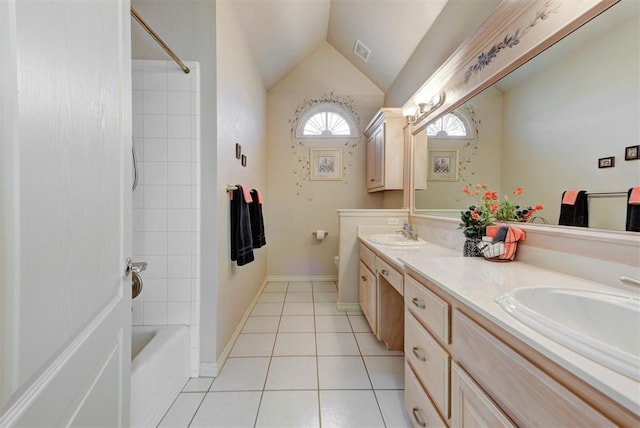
427	108
409	114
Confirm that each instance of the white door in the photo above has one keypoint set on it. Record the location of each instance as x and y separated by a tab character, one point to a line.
65	217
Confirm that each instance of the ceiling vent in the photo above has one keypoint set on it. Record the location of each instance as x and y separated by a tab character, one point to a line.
361	50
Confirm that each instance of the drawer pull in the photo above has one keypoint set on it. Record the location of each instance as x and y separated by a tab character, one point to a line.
416	302
384	272
364	278
418	356
419	420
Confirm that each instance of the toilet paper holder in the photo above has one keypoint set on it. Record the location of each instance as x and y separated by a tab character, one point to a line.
316	233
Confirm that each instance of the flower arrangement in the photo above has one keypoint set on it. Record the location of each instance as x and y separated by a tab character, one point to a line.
489	208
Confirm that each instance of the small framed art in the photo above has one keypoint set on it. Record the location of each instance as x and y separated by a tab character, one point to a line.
325	164
632	153
608	162
443	165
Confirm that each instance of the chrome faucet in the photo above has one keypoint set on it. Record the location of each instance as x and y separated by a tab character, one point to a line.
408	232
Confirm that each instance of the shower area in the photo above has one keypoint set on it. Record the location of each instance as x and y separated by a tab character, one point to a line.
166	232
166	201
165	332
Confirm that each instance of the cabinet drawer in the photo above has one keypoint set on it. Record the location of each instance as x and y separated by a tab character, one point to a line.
428	308
429	361
390	274
416	402
470	406
525	393
368	257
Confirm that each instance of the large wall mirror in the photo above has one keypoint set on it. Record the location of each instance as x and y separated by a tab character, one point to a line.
544	127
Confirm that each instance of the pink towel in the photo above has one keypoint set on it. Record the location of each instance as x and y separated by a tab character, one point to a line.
247	193
510	243
634	198
492	230
260	200
570	197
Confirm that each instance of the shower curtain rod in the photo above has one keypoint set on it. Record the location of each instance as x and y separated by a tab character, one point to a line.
157	38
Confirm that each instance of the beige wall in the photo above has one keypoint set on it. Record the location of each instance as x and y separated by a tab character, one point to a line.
295	207
549	148
241	118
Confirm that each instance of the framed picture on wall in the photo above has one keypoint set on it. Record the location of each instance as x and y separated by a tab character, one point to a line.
325	164
608	162
442	165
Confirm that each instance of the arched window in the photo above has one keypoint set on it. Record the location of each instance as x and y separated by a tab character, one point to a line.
326	121
451	125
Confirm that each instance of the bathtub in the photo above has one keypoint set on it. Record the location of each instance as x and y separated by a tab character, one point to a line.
160	367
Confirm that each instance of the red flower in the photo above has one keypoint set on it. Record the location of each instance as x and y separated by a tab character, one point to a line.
466	190
490	196
517	191
475	215
538	207
494	208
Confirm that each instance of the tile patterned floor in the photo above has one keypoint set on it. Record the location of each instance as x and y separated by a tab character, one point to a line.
299	363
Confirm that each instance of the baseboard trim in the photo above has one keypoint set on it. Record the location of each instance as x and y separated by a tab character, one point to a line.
349	307
222	359
317	278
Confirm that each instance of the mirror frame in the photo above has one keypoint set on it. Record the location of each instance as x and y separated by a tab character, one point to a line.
488	55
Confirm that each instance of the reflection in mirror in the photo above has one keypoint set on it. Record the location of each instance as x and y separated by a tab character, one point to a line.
544	127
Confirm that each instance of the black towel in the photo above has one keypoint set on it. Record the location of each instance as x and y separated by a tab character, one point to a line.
241	241
257	222
576	214
633	215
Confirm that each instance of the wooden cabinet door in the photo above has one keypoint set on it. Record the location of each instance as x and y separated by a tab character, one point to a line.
470	406
368	296
375	159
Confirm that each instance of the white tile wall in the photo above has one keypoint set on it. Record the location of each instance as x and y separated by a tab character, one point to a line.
166	123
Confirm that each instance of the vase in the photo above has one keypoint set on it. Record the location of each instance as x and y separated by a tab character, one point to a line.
470	248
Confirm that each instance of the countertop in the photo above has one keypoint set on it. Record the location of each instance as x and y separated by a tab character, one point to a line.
477	283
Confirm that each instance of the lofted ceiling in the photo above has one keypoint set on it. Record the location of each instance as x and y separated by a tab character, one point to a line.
281	33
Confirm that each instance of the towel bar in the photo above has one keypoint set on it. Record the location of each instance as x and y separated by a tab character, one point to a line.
606	193
231	188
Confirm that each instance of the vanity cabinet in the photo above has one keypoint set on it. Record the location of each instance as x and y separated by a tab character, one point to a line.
529	395
474	373
380	288
385	150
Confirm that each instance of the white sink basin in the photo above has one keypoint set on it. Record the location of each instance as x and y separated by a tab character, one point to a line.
394	239
604	327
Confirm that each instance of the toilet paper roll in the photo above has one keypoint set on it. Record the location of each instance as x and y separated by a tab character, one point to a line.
320	234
